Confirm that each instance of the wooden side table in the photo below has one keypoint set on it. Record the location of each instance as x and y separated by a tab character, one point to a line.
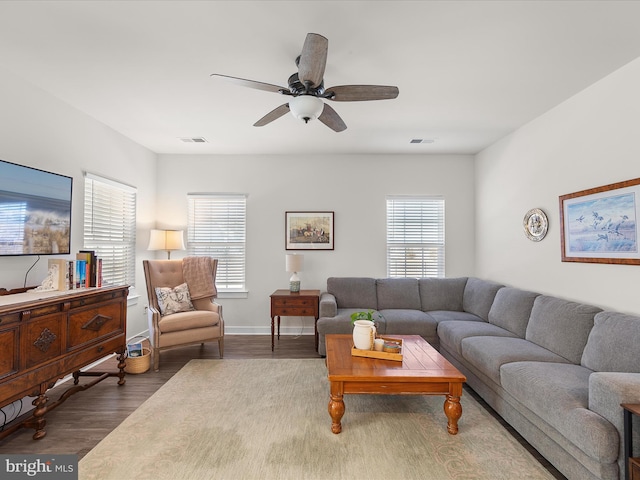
306	303
632	465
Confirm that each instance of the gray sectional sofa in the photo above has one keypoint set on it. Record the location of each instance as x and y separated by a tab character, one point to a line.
555	370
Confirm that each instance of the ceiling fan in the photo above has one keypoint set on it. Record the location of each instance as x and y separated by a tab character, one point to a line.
307	91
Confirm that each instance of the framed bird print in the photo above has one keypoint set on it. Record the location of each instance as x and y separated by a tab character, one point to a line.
600	225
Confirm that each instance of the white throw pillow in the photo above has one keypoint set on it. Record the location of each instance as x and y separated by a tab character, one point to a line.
174	300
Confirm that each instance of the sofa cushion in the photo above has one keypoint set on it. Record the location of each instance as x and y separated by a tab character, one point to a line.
183	321
511	309
559	395
446	315
478	296
441	293
452	332
613	344
410	322
351	292
341	323
561	326
398	293
488	354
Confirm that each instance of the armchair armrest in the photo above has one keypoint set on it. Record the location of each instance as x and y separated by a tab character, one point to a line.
207	304
607	390
328	305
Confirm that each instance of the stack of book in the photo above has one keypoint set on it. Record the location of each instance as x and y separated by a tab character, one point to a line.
83	272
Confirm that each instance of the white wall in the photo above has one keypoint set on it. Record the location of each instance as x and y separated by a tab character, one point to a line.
39	130
588	141
354	187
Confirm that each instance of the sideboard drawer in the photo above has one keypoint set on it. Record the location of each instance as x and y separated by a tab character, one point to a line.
8	352
9	318
86	326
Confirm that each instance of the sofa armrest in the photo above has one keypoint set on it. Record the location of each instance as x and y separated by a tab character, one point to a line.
328	305
607	390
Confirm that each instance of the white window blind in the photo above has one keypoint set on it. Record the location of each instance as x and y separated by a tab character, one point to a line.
217	228
415	236
110	227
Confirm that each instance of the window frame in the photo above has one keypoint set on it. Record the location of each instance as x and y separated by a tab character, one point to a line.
223	216
116	205
415	223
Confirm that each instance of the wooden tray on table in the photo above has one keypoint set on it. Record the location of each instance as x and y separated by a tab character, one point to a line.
356	352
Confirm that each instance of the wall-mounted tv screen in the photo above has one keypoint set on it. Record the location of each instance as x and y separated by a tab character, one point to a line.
35	211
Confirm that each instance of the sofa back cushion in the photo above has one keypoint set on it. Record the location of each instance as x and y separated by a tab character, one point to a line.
511	309
398	293
441	293
613	344
561	326
478	296
353	292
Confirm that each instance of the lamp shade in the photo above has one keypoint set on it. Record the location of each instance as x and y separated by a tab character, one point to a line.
294	262
166	240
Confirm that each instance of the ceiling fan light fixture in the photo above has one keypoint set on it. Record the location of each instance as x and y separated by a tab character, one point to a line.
306	107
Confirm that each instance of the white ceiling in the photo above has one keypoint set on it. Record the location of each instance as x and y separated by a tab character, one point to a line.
469	72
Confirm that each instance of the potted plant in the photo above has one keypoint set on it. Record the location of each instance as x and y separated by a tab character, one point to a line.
368	315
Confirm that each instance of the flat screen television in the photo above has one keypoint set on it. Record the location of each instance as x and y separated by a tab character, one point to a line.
35	211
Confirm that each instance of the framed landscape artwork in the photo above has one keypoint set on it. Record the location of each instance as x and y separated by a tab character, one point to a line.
309	230
600	225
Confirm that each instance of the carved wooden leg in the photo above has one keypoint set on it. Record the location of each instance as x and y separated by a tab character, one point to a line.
336	407
121	365
453	411
39	422
76	377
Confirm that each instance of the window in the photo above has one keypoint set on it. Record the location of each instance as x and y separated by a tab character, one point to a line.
217	228
110	227
415	236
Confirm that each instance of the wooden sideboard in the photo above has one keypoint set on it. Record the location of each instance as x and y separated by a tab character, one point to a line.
45	336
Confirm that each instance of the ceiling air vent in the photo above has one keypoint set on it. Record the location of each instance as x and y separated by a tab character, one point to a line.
422	140
193	140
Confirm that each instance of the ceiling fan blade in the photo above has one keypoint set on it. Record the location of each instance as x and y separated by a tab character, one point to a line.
251	83
357	93
273	115
313	59
331	119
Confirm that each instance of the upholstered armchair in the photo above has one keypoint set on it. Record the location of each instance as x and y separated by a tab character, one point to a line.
182	310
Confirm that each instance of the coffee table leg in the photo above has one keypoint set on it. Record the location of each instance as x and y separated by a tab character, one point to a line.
453	411
336	407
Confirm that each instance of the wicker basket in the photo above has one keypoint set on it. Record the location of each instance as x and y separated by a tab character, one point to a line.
139	364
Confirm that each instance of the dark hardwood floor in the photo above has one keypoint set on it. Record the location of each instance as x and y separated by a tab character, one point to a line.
81	422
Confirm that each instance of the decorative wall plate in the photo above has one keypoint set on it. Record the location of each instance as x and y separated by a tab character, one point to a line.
535	224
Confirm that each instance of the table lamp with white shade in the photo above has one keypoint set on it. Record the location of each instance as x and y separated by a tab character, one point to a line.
166	240
294	263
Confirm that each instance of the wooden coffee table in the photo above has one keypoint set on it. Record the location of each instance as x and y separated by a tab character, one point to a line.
423	371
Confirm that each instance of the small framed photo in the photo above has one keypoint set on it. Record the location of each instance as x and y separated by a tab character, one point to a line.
134	349
309	231
600	225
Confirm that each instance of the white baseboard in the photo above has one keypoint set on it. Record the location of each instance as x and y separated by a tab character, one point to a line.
266	330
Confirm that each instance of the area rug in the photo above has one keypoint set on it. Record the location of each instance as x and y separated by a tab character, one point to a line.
268	419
